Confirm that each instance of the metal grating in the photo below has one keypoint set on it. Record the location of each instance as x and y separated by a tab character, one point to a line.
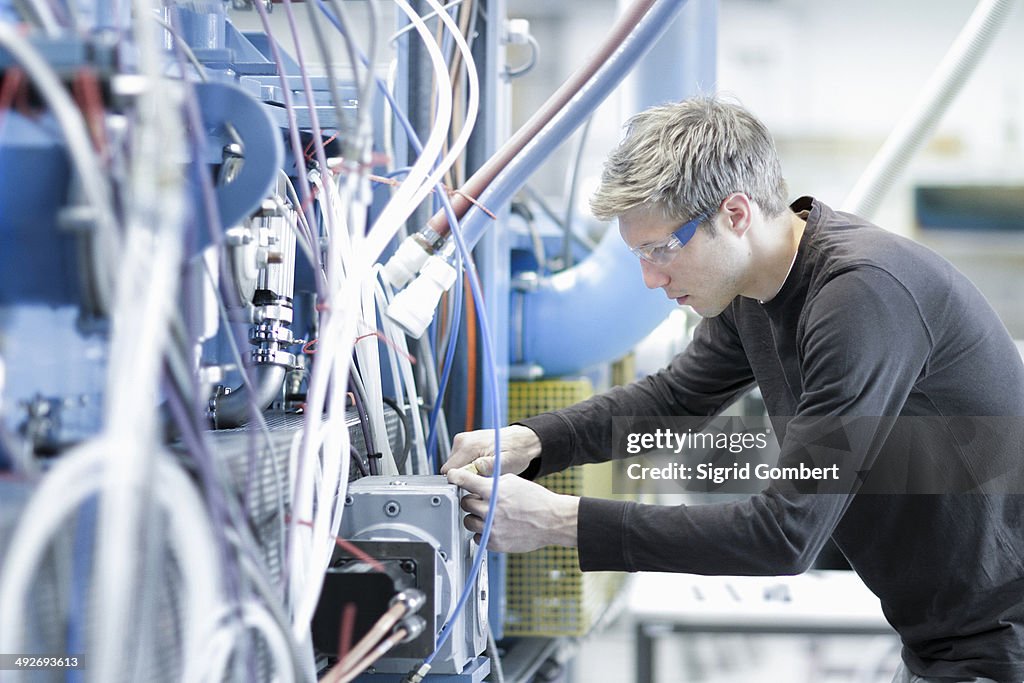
546	593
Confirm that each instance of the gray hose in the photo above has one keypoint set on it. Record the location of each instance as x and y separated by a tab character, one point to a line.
916	127
232	410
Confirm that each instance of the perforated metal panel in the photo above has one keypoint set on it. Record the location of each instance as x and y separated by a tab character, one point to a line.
546	593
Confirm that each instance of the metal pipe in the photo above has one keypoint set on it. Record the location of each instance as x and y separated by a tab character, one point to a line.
646	30
560	330
634	32
232	410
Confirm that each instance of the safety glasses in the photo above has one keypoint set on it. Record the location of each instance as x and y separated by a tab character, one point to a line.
661	252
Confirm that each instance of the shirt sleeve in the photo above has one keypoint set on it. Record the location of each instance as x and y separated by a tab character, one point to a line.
700	381
865	344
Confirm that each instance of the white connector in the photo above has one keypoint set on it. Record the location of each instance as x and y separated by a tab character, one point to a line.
405	262
517	32
413	308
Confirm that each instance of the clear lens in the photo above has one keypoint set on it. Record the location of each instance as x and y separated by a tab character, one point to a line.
658	253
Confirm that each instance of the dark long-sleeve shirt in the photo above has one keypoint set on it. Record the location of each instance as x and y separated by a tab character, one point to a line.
866	324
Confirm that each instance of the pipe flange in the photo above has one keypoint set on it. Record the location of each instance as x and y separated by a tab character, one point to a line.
271	332
273	312
274	357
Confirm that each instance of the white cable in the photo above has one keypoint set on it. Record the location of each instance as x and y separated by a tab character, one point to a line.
338	334
357	189
368	353
397	377
472	108
77	476
327	442
144	296
408	379
47	20
402	203
253	616
429	15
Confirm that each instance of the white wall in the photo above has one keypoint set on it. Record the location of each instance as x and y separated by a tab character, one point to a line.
831	79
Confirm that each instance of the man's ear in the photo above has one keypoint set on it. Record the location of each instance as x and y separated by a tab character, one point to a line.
738	210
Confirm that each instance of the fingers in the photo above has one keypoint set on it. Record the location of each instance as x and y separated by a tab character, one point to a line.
474	505
473	483
466	447
485	465
473	523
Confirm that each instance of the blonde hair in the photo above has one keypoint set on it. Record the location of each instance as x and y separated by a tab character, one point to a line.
685	158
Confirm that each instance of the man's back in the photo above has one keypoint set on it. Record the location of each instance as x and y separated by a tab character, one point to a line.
949	568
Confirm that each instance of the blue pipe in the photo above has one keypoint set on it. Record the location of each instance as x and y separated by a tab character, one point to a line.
560	329
565	321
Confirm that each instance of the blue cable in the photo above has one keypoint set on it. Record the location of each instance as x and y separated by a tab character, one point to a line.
489	362
485	333
453	339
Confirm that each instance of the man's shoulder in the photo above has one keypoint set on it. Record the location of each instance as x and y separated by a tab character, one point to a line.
840	242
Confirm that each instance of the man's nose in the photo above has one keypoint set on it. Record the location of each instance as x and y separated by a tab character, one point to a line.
654	276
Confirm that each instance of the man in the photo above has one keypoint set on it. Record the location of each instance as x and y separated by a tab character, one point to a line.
833	318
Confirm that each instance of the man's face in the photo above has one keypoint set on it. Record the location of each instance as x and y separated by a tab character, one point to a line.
706	273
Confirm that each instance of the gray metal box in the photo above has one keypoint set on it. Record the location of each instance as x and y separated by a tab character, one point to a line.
425	509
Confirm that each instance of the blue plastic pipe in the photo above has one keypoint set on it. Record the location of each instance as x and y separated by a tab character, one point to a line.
589	314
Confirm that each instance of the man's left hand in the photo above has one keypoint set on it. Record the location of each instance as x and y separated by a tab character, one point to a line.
528	516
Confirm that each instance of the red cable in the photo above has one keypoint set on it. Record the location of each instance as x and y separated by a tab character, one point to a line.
348	625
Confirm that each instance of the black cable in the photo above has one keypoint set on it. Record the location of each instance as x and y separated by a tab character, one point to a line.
359	393
357	457
406	441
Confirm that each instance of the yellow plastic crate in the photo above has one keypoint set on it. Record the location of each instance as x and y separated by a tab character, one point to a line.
546	593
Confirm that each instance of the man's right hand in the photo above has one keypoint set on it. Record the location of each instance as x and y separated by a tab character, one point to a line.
519	446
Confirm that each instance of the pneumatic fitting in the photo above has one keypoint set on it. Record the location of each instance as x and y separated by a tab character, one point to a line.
413	308
410	256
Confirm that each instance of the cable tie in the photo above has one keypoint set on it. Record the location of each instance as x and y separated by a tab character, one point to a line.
451	193
472	201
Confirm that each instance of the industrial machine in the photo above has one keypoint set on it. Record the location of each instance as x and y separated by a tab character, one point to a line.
237	279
